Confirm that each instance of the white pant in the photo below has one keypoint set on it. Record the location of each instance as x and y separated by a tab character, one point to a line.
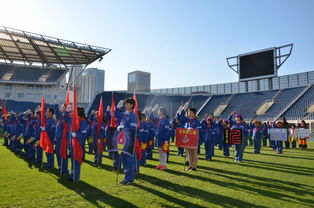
162	157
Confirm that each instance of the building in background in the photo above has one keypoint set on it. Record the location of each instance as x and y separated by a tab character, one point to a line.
89	83
139	81
29	83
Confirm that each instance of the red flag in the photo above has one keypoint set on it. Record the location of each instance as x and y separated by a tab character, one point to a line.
136	110
64	141
138	149
4	110
42	112
65	131
77	148
67	99
100	119
45	142
113	120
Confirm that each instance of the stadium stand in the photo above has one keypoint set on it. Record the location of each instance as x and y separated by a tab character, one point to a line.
298	109
22	74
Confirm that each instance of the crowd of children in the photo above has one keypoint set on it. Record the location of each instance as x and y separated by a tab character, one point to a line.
22	135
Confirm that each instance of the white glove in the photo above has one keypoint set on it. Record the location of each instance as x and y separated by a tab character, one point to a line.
120	104
186	105
42	128
69	108
108	108
57	101
120	127
179	109
190	128
155	108
73	134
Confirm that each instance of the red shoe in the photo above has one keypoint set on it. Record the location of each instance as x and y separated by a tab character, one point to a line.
163	168
158	167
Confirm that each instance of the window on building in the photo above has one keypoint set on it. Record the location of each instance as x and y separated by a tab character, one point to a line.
39	87
7	95
8	87
30	87
20	95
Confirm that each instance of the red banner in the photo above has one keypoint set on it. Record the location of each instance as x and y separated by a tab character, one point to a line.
187	138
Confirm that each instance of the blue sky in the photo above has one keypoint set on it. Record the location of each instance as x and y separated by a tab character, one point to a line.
182	43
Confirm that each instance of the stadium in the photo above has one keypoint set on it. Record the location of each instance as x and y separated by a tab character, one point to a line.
67	141
289	96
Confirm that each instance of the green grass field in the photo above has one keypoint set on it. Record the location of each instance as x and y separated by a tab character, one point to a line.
266	180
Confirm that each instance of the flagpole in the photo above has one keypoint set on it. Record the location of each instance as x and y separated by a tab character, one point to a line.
73	159
61	166
185	158
42	159
117	177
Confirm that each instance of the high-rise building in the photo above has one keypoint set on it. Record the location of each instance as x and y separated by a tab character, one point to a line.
89	83
139	81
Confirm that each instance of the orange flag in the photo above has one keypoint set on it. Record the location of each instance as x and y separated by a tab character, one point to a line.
65	131
100	120
113	120
77	148
4	110
45	142
67	99
136	110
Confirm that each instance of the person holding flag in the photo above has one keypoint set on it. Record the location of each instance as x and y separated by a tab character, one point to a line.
78	129
51	132
37	132
77	149
128	120
62	131
98	133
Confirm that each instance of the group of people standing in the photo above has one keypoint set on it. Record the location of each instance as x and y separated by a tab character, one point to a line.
22	131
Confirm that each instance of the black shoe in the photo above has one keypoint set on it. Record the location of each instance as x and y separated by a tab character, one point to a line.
190	169
187	163
123	182
194	169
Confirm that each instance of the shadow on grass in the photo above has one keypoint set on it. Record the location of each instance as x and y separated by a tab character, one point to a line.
273	167
94	195
221	200
180	202
287	156
251	187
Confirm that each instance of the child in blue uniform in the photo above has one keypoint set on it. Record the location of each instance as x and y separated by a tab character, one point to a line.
210	137
190	122
128	120
162	134
81	135
51	132
257	136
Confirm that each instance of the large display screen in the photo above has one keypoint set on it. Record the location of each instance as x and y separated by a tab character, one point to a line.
257	65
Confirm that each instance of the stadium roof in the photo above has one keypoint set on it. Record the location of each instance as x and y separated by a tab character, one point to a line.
18	46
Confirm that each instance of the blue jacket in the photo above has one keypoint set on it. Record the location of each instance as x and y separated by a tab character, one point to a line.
51	129
211	134
189	123
163	128
29	128
37	129
126	119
